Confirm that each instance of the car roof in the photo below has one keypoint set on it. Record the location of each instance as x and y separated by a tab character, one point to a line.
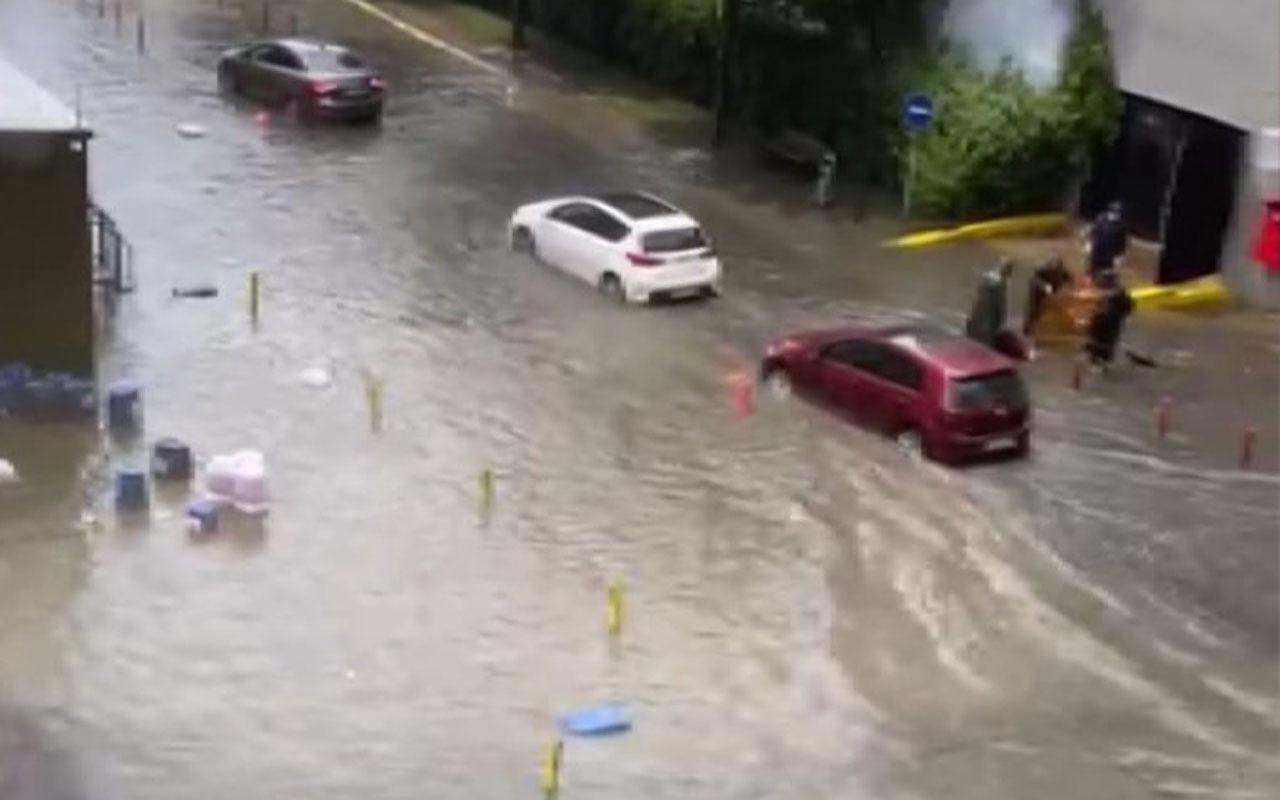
636	206
956	355
305	44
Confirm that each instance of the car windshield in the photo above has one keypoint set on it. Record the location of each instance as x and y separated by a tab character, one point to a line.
1003	388
332	59
673	241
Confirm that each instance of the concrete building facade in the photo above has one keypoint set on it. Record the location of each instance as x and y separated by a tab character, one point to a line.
1202	86
46	270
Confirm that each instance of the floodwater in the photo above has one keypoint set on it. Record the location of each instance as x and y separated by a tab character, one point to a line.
808	613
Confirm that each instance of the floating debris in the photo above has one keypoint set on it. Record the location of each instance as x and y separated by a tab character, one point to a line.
601	720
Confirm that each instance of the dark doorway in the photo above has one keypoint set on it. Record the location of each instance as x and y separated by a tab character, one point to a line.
1137	168
1203	196
1176	174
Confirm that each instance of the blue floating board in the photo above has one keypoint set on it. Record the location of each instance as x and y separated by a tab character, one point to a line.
601	720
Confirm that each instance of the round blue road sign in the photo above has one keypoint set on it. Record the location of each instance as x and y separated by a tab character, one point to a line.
917	111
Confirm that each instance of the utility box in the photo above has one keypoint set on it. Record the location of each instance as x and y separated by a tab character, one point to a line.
46	256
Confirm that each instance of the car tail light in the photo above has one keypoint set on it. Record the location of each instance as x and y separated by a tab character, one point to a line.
786	347
318	88
376	82
642	260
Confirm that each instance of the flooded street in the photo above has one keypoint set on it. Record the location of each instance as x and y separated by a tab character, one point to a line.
808	612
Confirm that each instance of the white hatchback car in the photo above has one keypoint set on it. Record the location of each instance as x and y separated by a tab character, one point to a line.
631	246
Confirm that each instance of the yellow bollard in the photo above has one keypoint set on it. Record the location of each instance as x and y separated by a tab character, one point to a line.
373	400
255	297
486	489
613	611
551	762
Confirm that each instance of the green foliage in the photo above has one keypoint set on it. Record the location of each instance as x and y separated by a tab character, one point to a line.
1088	78
838	70
1000	145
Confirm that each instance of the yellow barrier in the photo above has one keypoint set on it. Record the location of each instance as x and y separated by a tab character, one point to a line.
613	611
1200	293
551	762
486	489
1007	226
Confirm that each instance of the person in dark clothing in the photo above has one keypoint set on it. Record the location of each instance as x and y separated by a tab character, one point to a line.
1047	280
986	323
1107	323
1108	240
987	314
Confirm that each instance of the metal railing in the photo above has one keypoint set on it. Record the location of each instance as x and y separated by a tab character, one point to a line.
112	253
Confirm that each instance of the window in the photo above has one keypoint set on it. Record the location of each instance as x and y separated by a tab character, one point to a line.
592	220
607	226
674	241
571	214
857	353
878	359
277	57
902	369
1003	388
332	59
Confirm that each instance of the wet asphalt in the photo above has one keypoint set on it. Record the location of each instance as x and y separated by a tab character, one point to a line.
807	612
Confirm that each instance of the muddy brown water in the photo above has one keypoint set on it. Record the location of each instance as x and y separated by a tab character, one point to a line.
808	613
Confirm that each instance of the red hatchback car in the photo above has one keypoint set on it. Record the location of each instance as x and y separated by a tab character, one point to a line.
947	395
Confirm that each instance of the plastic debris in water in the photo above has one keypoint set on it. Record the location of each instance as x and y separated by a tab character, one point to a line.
316	377
8	472
239	479
199	290
601	720
202	515
190	130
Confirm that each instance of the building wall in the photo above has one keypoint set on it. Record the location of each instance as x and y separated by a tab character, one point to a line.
1221	59
46	278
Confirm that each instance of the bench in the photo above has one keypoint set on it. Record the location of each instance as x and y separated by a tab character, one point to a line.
795	147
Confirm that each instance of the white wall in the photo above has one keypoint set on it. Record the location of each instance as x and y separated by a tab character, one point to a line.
1221	59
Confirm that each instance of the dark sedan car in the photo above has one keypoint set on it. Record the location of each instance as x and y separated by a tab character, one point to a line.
942	393
319	80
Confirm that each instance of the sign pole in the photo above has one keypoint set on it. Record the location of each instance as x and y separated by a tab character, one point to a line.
917	112
909	178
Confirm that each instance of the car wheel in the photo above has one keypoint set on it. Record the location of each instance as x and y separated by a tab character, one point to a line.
1022	448
711	291
779	383
227	82
299	110
911	443
522	242
611	287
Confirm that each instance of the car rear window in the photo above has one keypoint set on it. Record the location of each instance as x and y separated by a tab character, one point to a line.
1003	388
674	241
332	59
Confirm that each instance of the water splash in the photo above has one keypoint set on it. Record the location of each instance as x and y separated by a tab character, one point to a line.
1029	32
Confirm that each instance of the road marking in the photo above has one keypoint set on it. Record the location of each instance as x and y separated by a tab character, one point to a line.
426	38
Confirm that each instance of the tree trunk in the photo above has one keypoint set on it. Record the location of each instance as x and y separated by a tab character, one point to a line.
726	59
519	19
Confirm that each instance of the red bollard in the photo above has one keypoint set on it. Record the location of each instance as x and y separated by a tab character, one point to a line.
1163	409
1247	440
